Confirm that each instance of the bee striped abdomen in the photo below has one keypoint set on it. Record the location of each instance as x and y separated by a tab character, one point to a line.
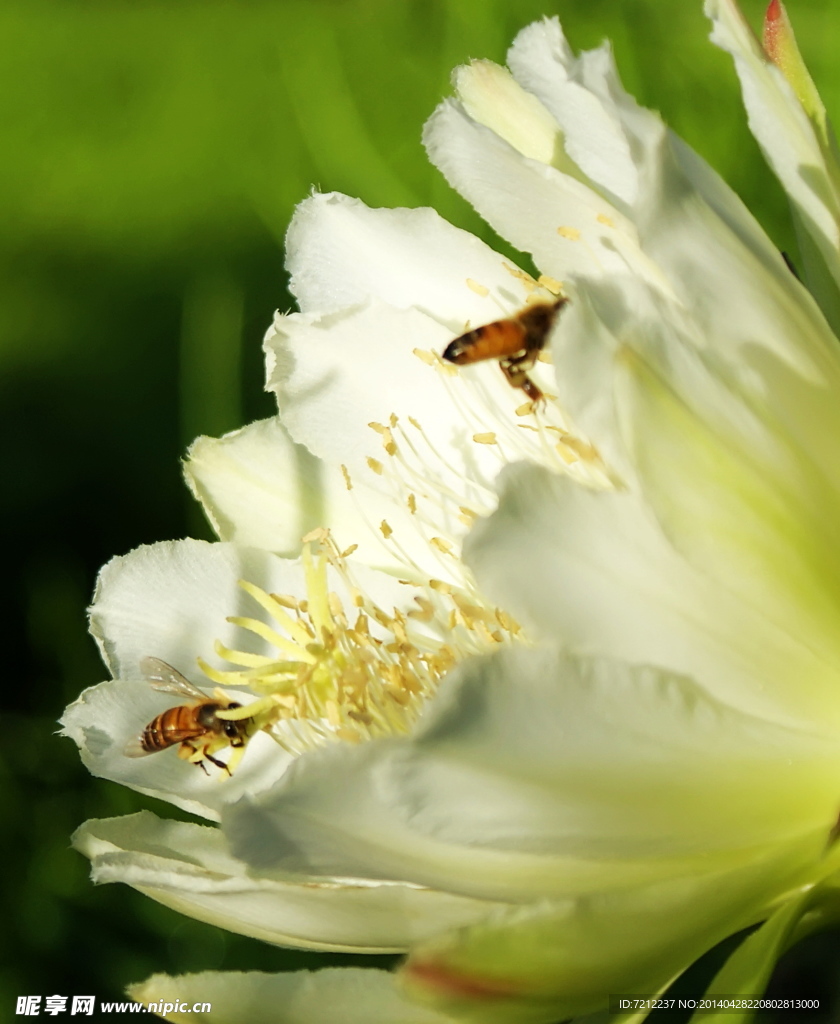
516	342
173	726
194	728
498	340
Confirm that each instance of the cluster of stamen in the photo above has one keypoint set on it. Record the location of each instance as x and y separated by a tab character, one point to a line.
346	669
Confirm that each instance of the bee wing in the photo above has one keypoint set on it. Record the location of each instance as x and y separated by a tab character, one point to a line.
167	679
134	748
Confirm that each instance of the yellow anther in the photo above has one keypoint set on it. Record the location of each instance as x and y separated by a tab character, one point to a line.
348	734
425	612
333	715
550	284
335	605
320	534
520	275
479	289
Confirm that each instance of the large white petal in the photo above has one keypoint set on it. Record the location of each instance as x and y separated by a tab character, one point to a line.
733	454
260	489
758	328
342	253
336	374
257	487
537	774
491	96
188	868
561	222
172	600
744	337
737	498
349	995
583	94
554	959
595	569
618	144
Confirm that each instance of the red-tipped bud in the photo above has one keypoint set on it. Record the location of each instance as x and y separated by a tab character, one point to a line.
773	27
780	46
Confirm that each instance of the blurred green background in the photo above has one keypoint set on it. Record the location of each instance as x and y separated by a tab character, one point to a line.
154	154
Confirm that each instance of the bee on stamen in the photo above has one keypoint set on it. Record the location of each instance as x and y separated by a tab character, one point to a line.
195	727
515	341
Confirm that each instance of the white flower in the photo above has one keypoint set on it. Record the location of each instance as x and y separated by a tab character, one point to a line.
651	760
679	778
321	648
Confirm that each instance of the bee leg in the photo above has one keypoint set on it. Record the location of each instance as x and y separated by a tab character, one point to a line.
532	391
515	371
216	762
186	751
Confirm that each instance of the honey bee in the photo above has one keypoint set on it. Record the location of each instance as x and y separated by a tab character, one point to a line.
194	726
515	342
